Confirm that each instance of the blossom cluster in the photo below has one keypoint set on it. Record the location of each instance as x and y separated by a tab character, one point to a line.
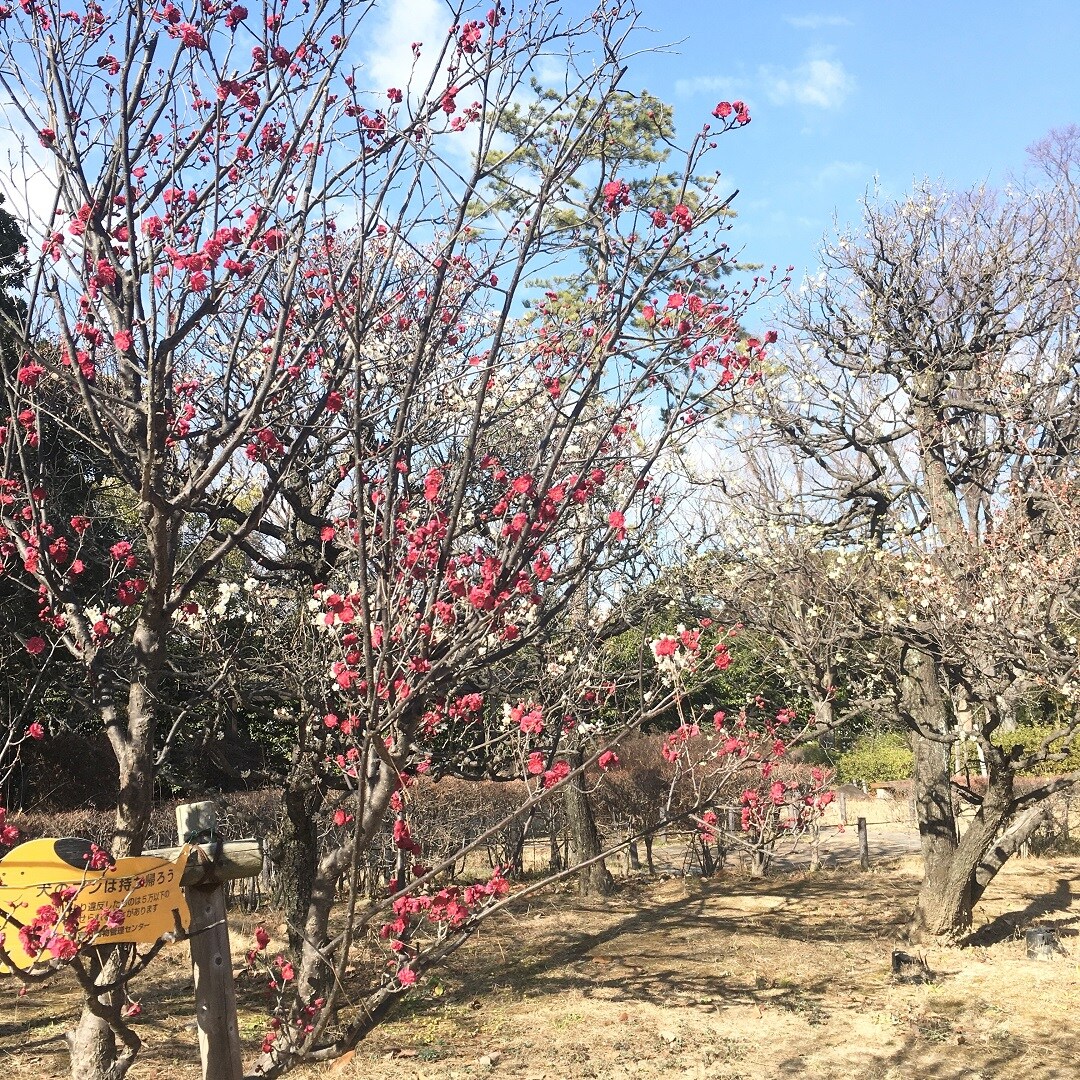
9	834
778	804
445	910
280	975
679	653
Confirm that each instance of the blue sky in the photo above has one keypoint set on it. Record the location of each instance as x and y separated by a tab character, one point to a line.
844	95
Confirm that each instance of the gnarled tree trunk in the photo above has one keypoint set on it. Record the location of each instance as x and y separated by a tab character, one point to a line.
295	848
937	911
946	900
316	902
93	1047
956	868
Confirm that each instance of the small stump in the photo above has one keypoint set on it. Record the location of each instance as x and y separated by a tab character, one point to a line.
1042	944
910	969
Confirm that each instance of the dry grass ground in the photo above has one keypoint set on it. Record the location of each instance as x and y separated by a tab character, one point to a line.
723	979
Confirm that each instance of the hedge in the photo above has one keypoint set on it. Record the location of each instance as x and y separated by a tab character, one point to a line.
876	758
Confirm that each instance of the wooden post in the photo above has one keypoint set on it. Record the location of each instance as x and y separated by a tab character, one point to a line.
211	959
842	804
864	846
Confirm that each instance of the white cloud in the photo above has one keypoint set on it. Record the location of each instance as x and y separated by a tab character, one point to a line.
816	22
720	85
820	83
837	172
27	174
389	57
388	60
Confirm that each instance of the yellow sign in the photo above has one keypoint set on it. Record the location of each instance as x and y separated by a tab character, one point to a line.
134	900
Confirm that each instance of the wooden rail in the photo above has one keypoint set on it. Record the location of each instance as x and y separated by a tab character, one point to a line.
214	863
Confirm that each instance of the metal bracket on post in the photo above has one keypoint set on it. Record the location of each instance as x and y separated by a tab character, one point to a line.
211	958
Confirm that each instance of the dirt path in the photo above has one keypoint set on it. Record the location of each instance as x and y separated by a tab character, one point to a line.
731	980
838	847
725	979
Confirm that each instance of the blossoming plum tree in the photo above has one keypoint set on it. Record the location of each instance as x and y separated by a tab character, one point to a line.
285	307
487	480
924	454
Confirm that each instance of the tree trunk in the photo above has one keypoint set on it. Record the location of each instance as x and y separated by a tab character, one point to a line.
315	966
937	834
938	909
92	1047
585	840
956	869
515	867
315	974
944	909
707	866
760	857
648	840
1007	845
555	862
95	1054
295	849
815	847
128	710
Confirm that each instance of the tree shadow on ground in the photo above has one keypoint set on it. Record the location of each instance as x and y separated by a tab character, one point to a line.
170	1043
935	1054
676	949
713	904
1010	923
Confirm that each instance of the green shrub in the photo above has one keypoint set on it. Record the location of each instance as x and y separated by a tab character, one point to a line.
1030	737
876	758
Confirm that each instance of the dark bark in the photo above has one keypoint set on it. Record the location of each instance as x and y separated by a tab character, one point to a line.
102	1046
316	962
92	1048
945	903
941	908
957	869
594	879
295	850
924	703
708	867
515	867
555	863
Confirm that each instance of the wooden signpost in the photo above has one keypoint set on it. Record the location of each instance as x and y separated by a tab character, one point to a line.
211	958
164	891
